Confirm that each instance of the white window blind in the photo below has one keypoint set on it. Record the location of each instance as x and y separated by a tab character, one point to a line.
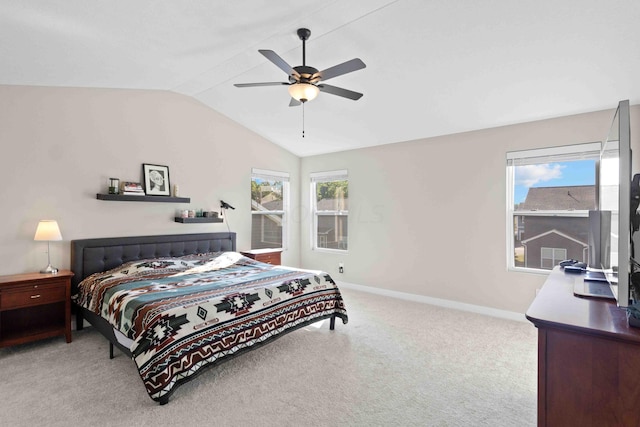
270	175
565	153
339	175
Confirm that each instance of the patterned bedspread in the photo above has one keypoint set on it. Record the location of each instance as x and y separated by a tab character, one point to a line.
186	313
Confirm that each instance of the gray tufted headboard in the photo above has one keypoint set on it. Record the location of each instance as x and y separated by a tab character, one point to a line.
90	256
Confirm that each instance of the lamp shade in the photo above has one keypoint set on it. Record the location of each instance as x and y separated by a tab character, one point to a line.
303	92
48	230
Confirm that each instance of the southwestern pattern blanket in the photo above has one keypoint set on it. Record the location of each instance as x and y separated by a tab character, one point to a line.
188	312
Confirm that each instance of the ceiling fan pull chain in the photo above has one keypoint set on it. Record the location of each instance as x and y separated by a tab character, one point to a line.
303	119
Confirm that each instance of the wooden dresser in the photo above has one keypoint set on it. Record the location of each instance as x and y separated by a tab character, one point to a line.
588	358
34	306
269	256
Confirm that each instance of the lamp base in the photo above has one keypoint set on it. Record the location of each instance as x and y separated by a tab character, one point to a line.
49	270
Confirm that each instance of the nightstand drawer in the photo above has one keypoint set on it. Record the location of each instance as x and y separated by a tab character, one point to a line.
28	296
272	258
268	256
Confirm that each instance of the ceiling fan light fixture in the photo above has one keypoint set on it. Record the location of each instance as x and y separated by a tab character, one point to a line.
303	92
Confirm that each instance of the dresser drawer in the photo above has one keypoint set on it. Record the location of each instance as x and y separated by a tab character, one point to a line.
27	296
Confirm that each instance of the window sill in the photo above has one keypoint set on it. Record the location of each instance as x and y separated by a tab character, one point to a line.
528	270
331	251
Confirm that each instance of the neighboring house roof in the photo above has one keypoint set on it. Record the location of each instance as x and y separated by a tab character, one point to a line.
554	231
569	197
272	205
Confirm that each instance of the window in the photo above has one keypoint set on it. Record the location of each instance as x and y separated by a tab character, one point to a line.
269	208
549	194
330	207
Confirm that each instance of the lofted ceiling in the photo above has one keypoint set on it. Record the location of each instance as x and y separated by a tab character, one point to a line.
433	67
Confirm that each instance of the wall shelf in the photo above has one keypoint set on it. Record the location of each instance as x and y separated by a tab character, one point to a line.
128	198
199	219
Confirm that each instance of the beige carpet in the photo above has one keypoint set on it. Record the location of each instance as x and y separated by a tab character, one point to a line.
396	363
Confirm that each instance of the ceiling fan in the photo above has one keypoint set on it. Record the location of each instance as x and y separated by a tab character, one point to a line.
304	81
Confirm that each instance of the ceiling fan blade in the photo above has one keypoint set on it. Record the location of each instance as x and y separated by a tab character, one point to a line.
260	84
345	93
281	63
294	102
340	69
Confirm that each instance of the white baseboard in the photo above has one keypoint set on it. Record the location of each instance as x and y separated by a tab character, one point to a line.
504	314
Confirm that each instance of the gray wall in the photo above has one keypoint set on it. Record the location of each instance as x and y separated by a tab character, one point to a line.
428	217
60	145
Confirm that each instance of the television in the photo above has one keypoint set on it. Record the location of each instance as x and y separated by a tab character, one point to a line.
615	196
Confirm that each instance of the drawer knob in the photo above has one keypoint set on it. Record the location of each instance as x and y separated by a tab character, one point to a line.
35	296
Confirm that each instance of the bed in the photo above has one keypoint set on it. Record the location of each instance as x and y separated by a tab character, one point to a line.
179	304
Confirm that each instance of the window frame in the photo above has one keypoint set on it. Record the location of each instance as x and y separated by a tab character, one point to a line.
285	211
563	153
328	176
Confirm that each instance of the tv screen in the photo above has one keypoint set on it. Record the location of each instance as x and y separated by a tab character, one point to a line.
614	190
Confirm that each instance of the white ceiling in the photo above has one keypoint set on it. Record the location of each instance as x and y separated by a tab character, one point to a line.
433	67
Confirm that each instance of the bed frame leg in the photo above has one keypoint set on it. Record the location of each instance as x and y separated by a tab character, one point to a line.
79	320
332	323
110	350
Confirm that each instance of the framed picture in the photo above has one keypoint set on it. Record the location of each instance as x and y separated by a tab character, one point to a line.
156	180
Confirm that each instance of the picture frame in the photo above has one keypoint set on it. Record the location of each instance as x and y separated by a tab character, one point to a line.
156	180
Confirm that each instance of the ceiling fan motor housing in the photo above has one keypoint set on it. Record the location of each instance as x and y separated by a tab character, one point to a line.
306	73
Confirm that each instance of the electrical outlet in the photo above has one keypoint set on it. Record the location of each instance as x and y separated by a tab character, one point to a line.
340	267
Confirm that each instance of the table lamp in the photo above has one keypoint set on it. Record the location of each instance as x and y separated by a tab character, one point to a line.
48	230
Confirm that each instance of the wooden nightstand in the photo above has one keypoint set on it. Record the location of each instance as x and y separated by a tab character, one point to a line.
269	256
34	306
